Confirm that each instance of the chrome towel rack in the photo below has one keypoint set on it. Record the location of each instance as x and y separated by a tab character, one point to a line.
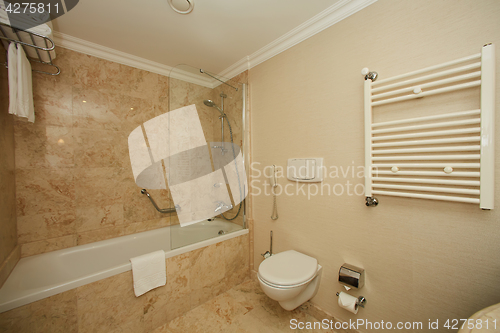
444	156
49	45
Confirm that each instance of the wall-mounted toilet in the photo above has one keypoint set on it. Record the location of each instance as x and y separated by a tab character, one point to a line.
290	277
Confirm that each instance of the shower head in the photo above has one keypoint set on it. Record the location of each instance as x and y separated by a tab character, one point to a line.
211	104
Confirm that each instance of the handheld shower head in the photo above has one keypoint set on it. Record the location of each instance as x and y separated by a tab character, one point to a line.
211	104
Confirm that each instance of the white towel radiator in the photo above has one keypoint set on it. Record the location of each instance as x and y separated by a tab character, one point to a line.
444	156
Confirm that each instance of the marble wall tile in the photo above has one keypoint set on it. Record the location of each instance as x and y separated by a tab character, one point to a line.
52	99
48	245
100	148
65	63
99	186
131	111
178	277
91	218
138	207
207	277
8	264
236	255
92	108
104	233
95	235
96	73
139	83
8	232
74	160
42	226
109	305
55	314
166	303
40	146
44	190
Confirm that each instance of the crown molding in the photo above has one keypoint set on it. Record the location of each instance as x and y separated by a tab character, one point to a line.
333	14
103	52
316	24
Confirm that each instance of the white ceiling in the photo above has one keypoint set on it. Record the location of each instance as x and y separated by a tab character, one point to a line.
214	36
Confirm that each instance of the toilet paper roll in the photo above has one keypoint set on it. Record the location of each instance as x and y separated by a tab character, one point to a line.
348	302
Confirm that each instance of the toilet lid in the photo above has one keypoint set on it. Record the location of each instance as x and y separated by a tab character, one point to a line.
288	268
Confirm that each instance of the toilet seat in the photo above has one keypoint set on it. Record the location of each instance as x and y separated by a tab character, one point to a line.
285	287
288	269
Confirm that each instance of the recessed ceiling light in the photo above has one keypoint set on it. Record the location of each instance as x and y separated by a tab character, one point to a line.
84	101
182	6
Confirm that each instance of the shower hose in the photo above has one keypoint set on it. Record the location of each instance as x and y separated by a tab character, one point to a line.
237	173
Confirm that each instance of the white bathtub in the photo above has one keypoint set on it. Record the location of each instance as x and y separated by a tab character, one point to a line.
47	274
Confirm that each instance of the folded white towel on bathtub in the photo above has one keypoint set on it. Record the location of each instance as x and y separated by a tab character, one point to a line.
149	272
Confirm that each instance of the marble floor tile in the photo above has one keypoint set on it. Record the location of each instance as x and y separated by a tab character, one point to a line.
242	309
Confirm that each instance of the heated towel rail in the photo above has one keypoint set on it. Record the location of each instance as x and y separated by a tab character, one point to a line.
444	156
47	46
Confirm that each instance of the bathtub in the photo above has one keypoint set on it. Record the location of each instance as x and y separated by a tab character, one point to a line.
48	274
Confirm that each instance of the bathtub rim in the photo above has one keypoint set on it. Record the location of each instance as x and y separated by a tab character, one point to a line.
115	270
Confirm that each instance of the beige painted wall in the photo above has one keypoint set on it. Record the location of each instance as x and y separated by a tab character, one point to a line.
9	252
423	259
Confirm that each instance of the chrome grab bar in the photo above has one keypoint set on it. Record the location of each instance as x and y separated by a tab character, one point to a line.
164	210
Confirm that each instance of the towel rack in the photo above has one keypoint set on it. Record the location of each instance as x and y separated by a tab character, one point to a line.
444	156
49	46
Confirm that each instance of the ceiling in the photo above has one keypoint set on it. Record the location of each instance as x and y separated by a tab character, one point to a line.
214	36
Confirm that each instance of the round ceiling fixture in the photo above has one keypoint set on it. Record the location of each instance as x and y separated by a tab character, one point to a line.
182	6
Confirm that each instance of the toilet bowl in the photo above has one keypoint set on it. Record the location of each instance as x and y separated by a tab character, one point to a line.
290	277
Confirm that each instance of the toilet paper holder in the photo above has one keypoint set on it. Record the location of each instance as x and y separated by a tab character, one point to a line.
351	276
360	301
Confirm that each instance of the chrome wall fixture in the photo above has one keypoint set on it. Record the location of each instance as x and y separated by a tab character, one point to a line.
444	156
164	210
41	51
214	77
361	301
183	12
269	253
371	201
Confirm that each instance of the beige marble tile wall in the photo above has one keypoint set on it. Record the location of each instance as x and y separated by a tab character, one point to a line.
9	250
184	93
423	259
74	182
109	305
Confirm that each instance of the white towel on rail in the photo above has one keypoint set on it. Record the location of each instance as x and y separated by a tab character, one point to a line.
20	84
149	272
44	29
24	87
12	63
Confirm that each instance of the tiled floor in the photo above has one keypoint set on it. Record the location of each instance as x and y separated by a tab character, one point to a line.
245	308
